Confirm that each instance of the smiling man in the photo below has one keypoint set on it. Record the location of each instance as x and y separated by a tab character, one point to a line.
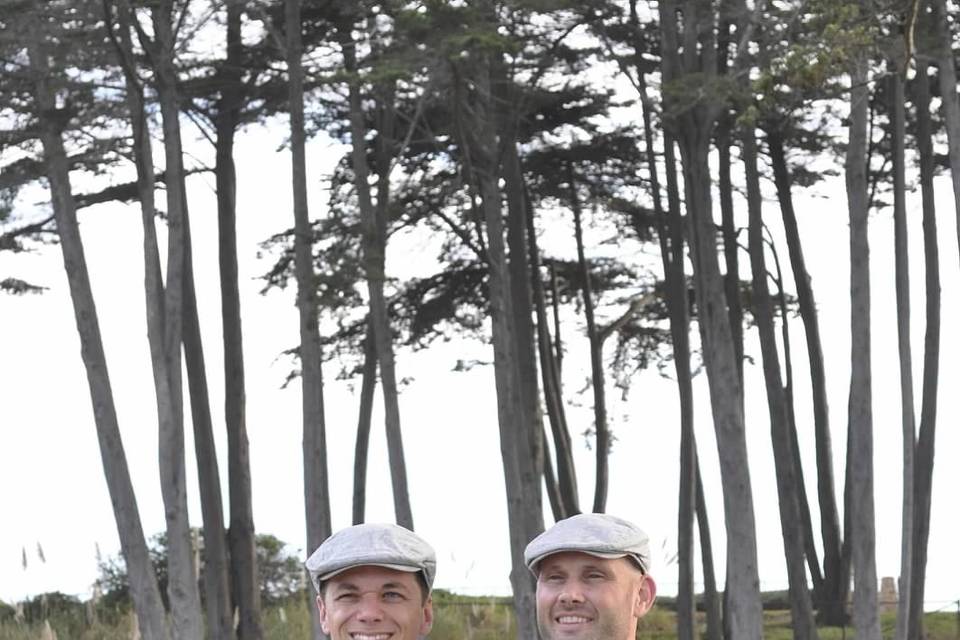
592	580
373	583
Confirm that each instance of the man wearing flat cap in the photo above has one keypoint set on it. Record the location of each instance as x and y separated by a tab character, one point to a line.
373	583
592	580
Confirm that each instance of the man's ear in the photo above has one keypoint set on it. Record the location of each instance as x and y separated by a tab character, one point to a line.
646	594
324	621
427	623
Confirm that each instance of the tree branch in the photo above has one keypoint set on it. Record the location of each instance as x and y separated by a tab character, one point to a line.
636	306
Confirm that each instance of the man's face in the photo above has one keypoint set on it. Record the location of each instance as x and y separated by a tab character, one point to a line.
582	597
375	603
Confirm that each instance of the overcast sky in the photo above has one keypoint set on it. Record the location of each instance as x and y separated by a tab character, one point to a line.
50	470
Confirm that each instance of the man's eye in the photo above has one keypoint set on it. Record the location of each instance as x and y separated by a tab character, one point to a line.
347	597
394	595
596	575
553	577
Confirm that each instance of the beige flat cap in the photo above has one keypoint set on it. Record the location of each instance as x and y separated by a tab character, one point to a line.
597	534
382	545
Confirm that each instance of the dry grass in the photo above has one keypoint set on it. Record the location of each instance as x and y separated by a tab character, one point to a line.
457	618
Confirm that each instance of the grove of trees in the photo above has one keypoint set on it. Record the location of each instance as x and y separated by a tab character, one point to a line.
686	126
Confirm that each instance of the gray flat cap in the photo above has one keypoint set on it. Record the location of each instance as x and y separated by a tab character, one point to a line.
598	534
382	545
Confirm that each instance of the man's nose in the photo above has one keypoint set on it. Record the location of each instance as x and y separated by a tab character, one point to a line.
571	594
370	610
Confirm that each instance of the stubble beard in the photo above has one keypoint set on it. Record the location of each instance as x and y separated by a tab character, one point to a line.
603	629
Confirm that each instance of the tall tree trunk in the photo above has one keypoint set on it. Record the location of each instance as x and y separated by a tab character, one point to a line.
242	535
182	584
368	386
521	474
692	502
902	280
216	564
865	616
950	104
846	552
670	234
567	499
521	304
596	357
507	113
374	249
743	619
728	228
744	616
711	596
693	128
671	253
731	277
555	304
809	544
565	504
923	462
832	601
557	508
800	605
144	590
316	482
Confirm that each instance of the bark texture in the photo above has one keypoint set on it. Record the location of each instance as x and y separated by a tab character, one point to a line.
144	591
950	103
670	235
670	232
242	535
477	129
216	564
368	386
902	284
521	302
596	357
731	247
832	602
374	258
809	544
923	462
566	496
693	129
315	479
801	608
865	616
711	595
186	616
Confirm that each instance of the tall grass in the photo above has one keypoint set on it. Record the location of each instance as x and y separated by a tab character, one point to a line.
455	618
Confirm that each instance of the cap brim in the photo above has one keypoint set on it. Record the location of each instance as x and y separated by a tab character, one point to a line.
395	567
606	555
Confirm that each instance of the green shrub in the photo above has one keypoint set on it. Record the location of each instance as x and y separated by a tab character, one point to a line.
7	612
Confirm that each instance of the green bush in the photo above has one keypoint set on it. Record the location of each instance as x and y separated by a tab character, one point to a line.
7	612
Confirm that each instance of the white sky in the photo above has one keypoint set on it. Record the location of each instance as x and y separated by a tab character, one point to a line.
52	478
